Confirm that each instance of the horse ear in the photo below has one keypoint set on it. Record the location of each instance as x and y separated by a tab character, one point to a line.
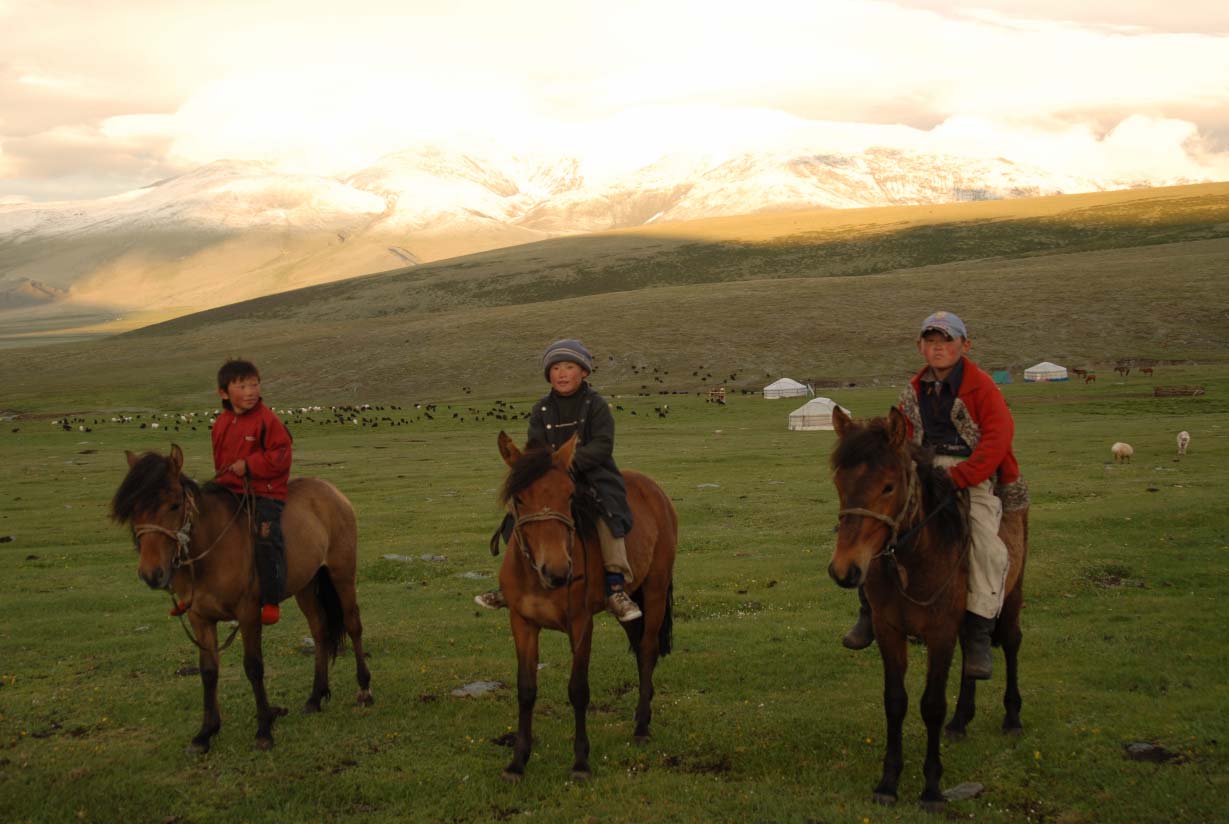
564	454
841	422
898	428
508	449
132	458
176	459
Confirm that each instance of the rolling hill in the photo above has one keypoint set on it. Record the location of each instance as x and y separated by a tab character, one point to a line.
823	295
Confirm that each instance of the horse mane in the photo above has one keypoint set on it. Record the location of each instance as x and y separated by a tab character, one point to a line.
869	445
143	485
537	459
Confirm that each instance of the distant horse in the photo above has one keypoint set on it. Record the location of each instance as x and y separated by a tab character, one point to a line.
1079	372
903	535
1090	378
197	544
1123	370
547	585
1146	370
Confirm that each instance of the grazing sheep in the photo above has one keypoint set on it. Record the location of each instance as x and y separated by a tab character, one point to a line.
1122	452
1184	440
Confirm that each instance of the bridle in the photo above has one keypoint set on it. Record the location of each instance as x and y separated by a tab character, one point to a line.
182	557
895	539
543	514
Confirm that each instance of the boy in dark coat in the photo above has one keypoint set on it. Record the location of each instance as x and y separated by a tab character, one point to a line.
575	408
250	441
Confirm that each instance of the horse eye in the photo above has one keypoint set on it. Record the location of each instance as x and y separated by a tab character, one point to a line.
174	507
887	490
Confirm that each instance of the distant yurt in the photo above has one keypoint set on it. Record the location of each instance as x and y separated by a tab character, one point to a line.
786	388
814	414
1045	371
1001	376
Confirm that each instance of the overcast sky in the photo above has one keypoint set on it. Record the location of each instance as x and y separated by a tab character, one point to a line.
102	97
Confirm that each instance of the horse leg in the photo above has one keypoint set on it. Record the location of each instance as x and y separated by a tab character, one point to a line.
1010	637
206	633
315	621
578	694
934	708
348	596
525	635
254	668
966	708
895	654
646	659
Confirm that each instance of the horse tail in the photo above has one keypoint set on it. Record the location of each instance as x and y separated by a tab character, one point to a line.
330	607
665	635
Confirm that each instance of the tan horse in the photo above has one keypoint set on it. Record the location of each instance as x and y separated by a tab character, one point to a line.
197	544
903	536
552	576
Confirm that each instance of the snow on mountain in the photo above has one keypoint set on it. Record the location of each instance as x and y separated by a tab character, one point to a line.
235	228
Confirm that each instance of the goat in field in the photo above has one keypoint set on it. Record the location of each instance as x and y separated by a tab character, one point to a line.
1184	440
1122	452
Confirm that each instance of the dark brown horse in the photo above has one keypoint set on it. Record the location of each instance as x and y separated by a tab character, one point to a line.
197	544
552	576
903	536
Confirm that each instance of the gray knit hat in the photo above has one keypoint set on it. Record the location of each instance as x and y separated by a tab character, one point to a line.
566	350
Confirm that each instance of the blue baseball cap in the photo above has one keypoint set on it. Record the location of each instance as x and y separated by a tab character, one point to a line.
945	322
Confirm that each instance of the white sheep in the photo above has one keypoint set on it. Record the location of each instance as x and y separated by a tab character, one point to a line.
1184	440
1122	452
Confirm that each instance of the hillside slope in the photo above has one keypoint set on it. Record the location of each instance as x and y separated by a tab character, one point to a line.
1084	279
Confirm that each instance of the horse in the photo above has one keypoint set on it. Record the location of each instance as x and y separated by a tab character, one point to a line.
546	585
1146	370
1090	378
197	543
1079	372
903	535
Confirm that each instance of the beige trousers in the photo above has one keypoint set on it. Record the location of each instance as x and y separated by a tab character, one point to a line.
988	559
614	552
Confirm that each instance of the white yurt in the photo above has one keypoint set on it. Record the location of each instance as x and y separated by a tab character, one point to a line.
814	414
786	388
1045	371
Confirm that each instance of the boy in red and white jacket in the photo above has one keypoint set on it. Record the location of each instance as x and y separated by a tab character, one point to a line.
955	409
250	441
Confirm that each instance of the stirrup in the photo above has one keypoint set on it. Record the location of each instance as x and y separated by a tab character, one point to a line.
269	614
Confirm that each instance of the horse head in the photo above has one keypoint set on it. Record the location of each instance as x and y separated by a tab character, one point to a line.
873	474
153	498
538	492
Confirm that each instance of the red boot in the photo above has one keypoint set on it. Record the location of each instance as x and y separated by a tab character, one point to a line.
269	614
179	609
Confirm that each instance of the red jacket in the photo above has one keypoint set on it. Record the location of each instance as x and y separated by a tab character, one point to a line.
262	440
990	433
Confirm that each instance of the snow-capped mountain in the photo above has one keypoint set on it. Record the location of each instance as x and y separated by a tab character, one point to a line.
232	230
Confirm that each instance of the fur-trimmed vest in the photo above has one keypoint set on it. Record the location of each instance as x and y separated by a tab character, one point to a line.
979	408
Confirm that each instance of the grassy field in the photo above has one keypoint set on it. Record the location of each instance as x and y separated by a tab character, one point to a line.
760	714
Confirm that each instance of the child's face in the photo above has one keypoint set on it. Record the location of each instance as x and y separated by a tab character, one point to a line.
940	353
243	393
565	377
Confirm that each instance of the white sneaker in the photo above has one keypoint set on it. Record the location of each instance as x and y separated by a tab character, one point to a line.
622	607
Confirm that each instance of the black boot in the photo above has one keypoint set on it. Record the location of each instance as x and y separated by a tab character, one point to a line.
862	635
978	660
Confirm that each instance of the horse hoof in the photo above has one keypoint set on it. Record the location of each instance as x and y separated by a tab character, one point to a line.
511	777
884	800
932	805
365	698
954	734
311	708
581	775
278	712
264	744
1015	731
197	748
641	738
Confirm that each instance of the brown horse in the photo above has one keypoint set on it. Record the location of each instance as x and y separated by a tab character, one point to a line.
1090	378
197	544
903	536
552	576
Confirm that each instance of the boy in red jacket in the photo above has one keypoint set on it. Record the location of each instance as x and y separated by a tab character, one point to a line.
250	442
956	409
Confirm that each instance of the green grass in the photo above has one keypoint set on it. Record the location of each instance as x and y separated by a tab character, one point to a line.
759	715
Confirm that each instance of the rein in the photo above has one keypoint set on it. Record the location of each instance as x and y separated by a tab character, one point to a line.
896	539
182	556
548	514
